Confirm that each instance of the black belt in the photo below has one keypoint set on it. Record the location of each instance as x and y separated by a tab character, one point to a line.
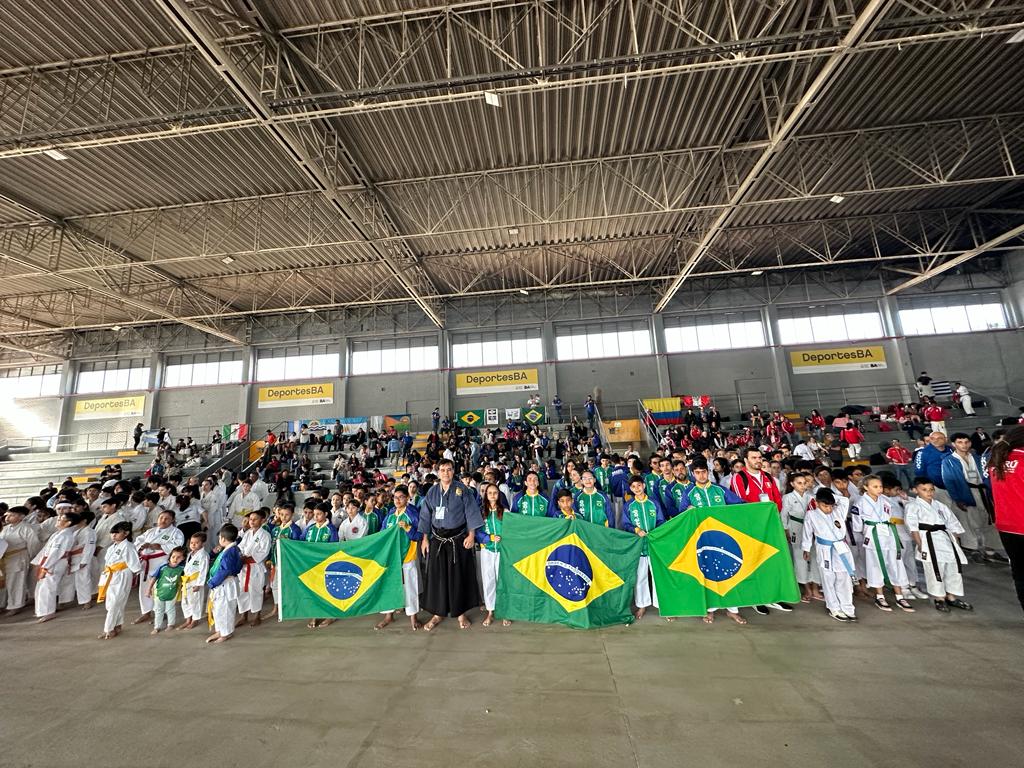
448	536
929	529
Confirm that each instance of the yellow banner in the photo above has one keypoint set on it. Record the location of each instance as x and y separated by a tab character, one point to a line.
110	407
288	395
862	358
483	382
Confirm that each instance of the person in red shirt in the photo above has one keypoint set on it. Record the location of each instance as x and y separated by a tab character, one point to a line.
936	414
853	437
1006	470
899	458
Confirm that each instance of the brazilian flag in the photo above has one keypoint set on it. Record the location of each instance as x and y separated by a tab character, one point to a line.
722	557
534	415
565	572
329	581
469	418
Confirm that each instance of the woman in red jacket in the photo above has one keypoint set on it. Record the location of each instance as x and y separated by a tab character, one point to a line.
1006	469
853	437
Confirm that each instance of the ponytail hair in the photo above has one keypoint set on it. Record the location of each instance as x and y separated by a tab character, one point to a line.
1001	450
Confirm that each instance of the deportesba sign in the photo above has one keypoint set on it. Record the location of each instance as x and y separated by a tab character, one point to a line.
286	396
482	382
837	359
110	407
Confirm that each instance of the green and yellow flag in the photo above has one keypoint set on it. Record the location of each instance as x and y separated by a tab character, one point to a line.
534	415
470	418
721	557
565	572
353	578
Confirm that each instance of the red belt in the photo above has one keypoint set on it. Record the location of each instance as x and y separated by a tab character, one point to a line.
249	563
147	558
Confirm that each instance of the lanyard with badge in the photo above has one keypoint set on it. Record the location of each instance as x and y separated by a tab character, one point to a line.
761	496
440	509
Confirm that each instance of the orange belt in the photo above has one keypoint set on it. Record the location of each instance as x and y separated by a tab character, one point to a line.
108	574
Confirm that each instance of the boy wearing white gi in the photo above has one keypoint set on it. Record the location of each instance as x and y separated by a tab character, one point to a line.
406	517
78	581
193	582
882	562
223	584
794	510
898	500
642	515
936	531
825	531
254	549
283	528
353	525
154	547
22	545
120	564
52	565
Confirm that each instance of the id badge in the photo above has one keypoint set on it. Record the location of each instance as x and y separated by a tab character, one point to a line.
764	497
439	513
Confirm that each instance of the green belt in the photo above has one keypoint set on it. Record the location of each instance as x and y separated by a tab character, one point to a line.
878	547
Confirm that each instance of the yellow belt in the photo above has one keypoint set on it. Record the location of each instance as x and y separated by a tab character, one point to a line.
896	520
108	574
186	580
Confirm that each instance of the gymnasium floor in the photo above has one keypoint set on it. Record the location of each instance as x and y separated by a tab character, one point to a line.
799	689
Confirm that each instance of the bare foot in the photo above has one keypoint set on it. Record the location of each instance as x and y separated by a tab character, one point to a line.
640	613
736	617
432	624
105	636
143	618
464	623
117	630
48	617
312	624
154	631
256	622
223	639
414	623
506	623
486	622
669	619
87	606
213	638
709	618
388	618
326	623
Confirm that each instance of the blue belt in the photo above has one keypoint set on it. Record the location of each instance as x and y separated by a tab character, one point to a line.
842	558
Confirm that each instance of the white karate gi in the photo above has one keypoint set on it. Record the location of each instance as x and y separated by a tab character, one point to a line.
254	546
213	507
241	505
943	562
78	582
102	526
856	529
224	605
352	528
22	545
117	585
193	585
907	555
168	538
881	553
794	510
53	557
645	594
826	535
489	561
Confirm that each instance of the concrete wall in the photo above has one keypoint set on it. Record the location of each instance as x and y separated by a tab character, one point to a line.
30	418
733	377
619	380
416	393
183	411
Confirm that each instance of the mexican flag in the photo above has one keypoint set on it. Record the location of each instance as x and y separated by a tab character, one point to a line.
353	578
565	572
722	557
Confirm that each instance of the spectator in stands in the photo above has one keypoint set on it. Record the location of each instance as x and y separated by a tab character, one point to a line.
899	459
936	415
815	424
852	437
591	409
924	386
964	395
435	419
327	441
304	438
557	403
136	436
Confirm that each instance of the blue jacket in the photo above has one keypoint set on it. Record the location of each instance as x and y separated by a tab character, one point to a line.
928	463
229	565
956	484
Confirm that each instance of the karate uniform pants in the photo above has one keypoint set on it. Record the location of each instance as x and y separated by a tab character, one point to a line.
489	576
165	613
952	580
838	589
805	571
893	564
858	556
16	581
66	590
84	589
938	426
47	589
411	588
224	600
645	594
146	603
192	602
967	405
251	599
853	450
909	558
116	600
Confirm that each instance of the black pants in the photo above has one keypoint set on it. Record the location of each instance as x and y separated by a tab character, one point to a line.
1014	544
187	529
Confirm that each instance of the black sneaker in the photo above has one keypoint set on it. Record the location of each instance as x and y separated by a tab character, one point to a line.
941	607
784	607
761	610
961	604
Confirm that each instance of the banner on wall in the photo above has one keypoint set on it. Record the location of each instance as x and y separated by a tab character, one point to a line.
513	414
233	433
400	422
492	417
317	426
473	418
534	415
484	382
289	395
834	360
110	407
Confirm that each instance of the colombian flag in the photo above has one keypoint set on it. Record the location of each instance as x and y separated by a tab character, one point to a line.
566	572
722	557
664	410
338	580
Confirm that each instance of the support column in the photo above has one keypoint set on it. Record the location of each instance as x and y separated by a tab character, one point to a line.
444	378
1012	307
341	397
660	356
68	376
150	412
780	361
248	374
549	374
904	366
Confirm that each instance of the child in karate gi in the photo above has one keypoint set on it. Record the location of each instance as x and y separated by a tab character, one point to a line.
406	517
824	531
488	536
882	562
254	548
223	584
283	528
52	565
193	582
163	588
794	510
898	499
642	515
120	564
22	544
936	531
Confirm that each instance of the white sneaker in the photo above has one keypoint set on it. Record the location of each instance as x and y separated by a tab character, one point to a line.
839	616
915	592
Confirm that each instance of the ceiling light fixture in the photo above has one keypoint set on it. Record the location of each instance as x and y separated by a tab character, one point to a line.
757	272
310	310
55	154
1017	37
115	327
227	260
513	230
524	292
837	199
492	98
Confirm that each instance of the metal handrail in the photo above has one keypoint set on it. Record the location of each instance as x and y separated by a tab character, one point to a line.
651	439
111	440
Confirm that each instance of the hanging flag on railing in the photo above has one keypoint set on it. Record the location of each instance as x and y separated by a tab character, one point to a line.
664	410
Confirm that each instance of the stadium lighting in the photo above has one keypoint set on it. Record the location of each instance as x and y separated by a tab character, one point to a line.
55	154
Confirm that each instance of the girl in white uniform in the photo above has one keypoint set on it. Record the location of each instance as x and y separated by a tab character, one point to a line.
193	581
794	511
254	548
52	565
489	538
825	532
22	545
120	564
882	549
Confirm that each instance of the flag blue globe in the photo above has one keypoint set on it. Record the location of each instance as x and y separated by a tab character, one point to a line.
719	555
569	572
342	579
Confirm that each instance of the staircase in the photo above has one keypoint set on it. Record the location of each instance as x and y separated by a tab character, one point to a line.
24	475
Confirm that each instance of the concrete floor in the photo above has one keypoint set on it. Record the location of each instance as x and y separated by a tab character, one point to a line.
800	689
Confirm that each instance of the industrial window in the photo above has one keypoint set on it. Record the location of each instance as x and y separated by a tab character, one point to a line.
308	361
395	355
593	340
846	322
925	315
32	381
497	348
203	369
727	330
112	376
